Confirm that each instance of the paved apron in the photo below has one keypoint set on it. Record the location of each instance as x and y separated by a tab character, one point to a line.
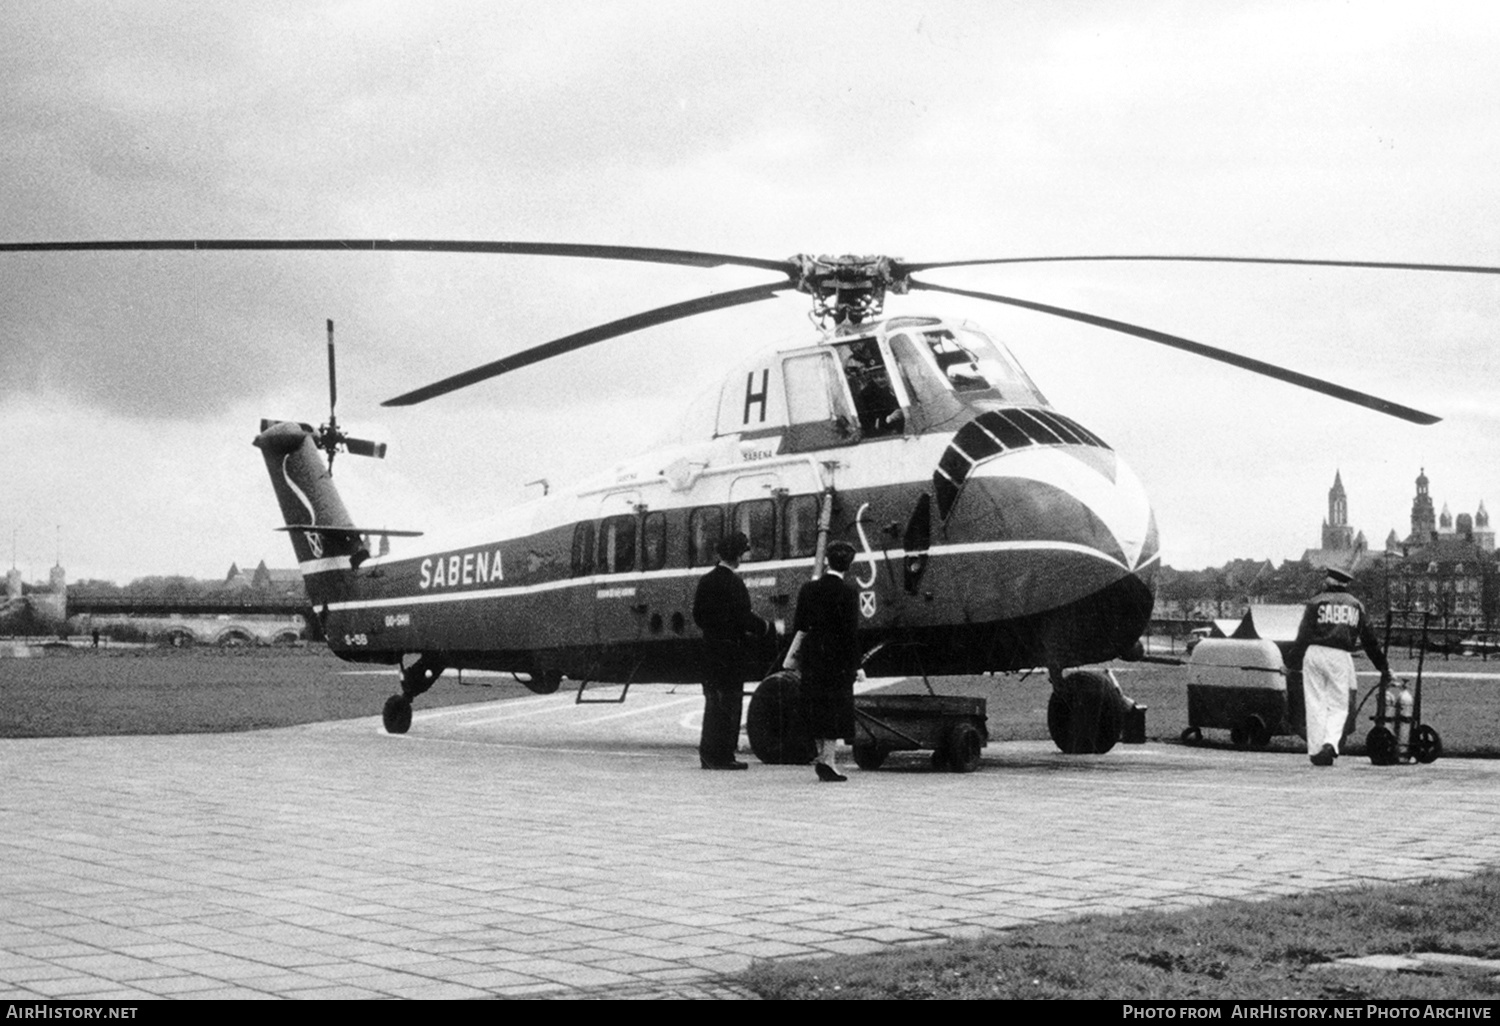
534	847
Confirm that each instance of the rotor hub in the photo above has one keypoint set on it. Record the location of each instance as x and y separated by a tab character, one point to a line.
847	289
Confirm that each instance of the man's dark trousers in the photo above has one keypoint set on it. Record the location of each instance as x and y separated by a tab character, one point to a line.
723	696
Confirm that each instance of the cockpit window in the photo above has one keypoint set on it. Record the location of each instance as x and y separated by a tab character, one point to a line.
972	364
875	399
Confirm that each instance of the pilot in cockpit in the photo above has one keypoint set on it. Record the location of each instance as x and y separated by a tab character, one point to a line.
874	398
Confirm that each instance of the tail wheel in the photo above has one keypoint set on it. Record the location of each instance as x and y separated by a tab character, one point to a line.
1085	714
397	714
1426	746
774	722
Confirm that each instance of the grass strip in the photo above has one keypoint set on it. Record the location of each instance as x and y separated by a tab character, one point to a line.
1278	949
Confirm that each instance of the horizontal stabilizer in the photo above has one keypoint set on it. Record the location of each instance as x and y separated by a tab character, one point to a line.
344	529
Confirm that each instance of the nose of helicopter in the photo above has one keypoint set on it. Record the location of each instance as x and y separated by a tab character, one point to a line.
1073	549
1076	499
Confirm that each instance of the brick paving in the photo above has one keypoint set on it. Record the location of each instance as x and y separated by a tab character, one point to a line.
536	849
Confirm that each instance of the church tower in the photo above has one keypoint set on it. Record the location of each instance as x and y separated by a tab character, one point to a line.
1337	534
1423	518
1484	535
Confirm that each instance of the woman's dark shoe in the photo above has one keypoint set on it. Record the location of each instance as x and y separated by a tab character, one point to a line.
828	774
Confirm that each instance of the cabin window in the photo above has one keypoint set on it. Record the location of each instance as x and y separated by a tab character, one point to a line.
756	519
583	549
799	526
654	541
813	392
617	545
705	528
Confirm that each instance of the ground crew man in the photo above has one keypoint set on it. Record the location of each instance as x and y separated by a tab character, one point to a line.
721	609
1333	625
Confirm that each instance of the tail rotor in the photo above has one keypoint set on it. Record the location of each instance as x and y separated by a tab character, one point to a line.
328	436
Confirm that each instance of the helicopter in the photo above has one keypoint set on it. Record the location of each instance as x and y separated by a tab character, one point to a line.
995	534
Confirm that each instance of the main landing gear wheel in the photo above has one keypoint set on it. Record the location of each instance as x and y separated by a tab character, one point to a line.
1192	735
1426	746
397	714
774	722
869	757
1084	714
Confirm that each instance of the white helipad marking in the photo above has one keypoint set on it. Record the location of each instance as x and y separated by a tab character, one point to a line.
510	703
490	714
656	707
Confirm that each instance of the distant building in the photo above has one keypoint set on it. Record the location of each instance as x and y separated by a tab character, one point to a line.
1341	546
263	578
1445	568
1426	527
1337	534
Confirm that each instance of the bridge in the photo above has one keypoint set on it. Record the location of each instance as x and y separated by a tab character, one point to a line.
217	605
214	620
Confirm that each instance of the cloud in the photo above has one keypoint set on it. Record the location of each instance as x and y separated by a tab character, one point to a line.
942	132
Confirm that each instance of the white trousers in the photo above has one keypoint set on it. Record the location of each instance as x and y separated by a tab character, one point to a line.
1327	682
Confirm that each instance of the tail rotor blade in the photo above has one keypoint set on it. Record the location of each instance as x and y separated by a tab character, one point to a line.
333	380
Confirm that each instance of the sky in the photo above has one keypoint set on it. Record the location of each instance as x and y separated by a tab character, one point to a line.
131	384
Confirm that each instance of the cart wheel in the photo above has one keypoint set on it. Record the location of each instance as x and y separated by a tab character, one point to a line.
1426	746
869	757
1380	746
963	745
1191	735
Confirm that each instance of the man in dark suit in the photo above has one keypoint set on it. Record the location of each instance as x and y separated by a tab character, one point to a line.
828	617
721	609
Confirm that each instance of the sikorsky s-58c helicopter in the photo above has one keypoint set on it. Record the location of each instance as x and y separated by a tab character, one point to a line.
995	532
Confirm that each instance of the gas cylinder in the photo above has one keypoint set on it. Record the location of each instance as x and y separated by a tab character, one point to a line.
1389	741
1401	706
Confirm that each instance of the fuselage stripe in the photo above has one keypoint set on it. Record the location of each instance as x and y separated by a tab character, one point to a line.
597	580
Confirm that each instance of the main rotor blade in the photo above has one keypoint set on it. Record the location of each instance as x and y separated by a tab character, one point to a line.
588	337
900	269
690	258
1222	355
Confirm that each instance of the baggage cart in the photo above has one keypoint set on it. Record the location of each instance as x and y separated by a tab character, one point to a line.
954	729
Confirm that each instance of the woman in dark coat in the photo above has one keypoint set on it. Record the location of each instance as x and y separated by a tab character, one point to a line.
828	617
